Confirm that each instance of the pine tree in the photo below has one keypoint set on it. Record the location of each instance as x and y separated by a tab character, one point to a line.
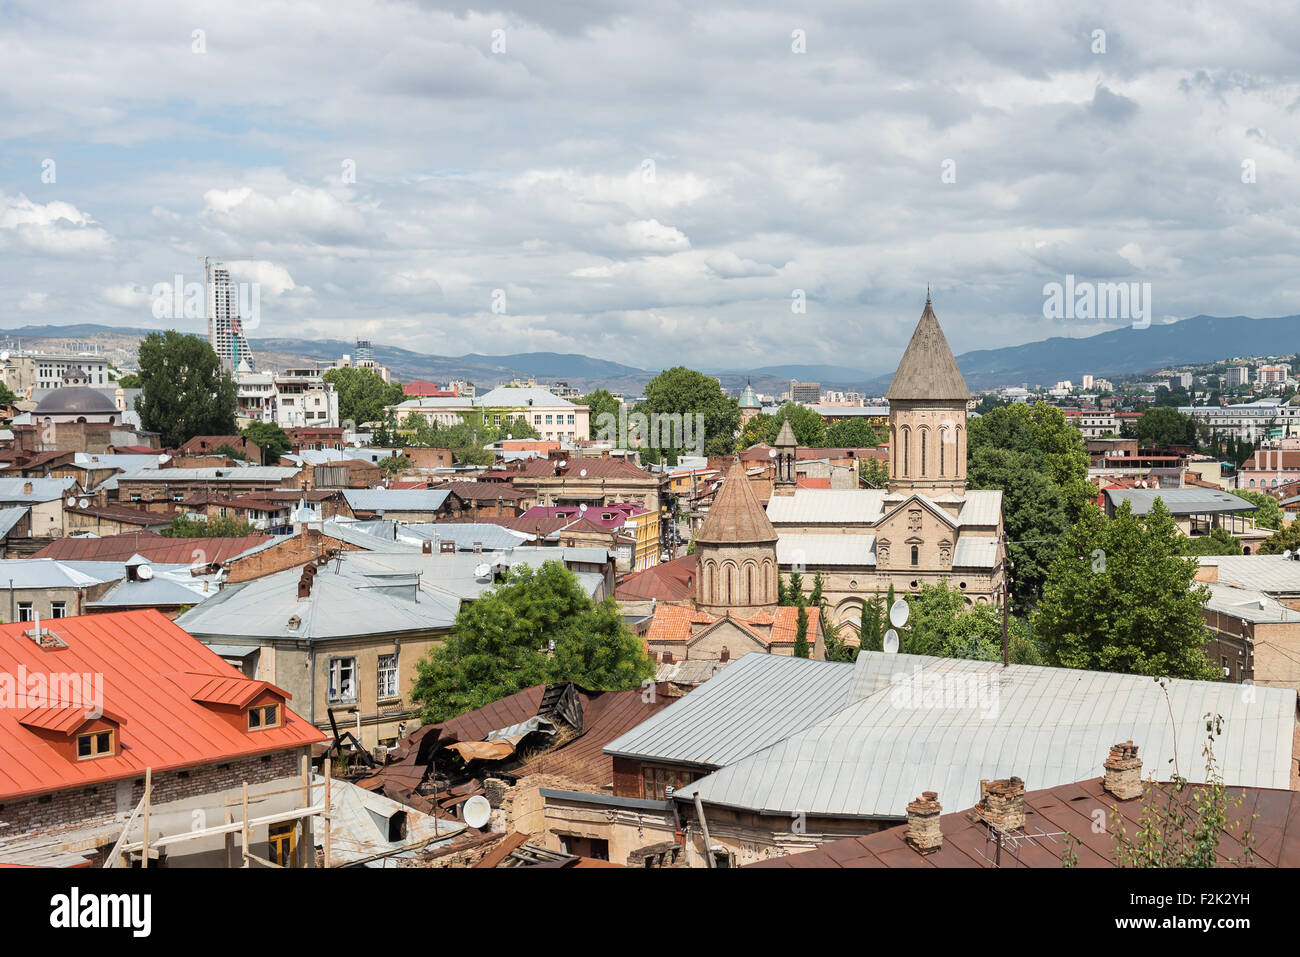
801	649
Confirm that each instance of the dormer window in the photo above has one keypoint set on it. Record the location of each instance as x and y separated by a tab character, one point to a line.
264	717
96	744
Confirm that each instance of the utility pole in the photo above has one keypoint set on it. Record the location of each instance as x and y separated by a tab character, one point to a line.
1006	601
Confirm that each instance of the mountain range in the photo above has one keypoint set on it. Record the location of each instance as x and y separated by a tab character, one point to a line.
1119	352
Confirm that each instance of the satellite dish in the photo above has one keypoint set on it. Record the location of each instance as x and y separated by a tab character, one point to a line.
899	613
4	356
144	573
476	811
890	644
482	571
84	503
1287	553
582	474
563	463
582	510
71	502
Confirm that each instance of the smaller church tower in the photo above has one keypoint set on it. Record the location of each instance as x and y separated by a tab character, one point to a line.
736	550
927	415
786	450
749	404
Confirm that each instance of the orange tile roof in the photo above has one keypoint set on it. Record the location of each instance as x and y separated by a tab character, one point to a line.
806	482
672	623
161	725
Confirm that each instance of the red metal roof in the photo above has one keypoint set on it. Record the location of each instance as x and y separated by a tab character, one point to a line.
156	548
161	725
668	581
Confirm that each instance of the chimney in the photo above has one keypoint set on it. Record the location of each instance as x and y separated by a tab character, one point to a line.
1123	777
426	547
1208	572
923	832
1002	803
27	488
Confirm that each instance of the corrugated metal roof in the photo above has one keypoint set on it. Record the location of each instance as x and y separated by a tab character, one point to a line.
822	550
156	548
48	573
755	701
227	473
946	724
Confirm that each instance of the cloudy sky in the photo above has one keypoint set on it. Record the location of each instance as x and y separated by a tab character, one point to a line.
653	183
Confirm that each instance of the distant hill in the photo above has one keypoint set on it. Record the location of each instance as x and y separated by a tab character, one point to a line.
1124	351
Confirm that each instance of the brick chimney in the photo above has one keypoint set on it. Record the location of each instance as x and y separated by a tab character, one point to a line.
1208	572
1002	803
923	832
1123	777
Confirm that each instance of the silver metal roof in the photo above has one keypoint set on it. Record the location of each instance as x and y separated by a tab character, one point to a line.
1179	501
813	506
975	552
395	499
982	507
14	490
945	724
755	701
824	550
9	517
1271	574
232	473
1248	605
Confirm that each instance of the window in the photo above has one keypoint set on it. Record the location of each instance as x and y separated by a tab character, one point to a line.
97	744
916	555
656	781
388	676
548	420
58	609
264	717
343	679
570	422
25	612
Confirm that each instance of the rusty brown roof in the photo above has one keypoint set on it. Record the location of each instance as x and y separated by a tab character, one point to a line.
928	369
668	581
736	515
156	548
1050	814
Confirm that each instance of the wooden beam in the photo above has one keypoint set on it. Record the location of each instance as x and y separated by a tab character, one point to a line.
148	790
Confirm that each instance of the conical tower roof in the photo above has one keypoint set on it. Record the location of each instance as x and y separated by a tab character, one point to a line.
736	517
785	437
748	400
928	369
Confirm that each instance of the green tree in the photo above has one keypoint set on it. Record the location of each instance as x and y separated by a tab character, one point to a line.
129	381
7	396
1164	426
270	438
943	625
363	394
1267	513
687	392
184	392
756	430
1119	597
1218	542
230	452
1286	540
874	472
809	428
394	465
600	402
851	434
501	643
229	527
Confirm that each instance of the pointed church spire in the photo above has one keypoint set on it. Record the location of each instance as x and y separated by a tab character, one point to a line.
736	516
928	369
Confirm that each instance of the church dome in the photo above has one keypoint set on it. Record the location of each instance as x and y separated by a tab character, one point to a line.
75	400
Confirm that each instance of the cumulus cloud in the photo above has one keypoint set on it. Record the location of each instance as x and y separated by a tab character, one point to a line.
651	183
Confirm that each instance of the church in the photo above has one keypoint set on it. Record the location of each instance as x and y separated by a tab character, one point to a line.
924	526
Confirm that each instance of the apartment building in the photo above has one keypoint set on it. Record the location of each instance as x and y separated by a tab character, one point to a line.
295	398
555	418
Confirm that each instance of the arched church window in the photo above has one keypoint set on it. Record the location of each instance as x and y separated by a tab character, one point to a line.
916	555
